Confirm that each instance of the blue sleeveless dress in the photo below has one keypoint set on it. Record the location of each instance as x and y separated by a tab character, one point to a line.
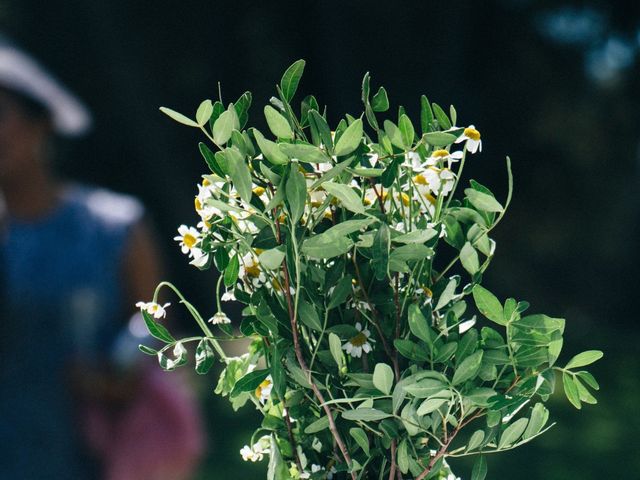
61	303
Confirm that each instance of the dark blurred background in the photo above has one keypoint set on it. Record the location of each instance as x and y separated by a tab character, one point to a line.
553	84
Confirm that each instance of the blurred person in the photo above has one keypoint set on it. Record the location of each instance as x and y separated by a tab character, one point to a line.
77	401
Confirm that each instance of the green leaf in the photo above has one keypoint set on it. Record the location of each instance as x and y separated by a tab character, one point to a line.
249	382
335	346
411	252
394	133
296	193
441	116
403	456
325	247
239	173
319	124
156	329
278	125
147	350
479	471
410	350
347	196
270	149
319	425
380	252
203	114
418	324
571	390
304	152
447	294
424	388
540	322
406	130
585	395
584	358
341	292
347	227
483	201
475	441
231	272
512	433
359	435
225	124
277	469
278	374
350	139
383	378
242	108
205	356
334	172
426	114
430	405
365	414
308	315
271	259
539	416
210	158
469	258
488	304
291	79
417	236
178	117
468	368
380	101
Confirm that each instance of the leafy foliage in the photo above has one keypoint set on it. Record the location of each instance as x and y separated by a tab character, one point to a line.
343	245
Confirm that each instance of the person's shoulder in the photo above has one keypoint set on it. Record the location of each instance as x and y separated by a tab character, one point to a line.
103	205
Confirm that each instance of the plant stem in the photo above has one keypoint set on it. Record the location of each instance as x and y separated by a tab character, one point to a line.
301	361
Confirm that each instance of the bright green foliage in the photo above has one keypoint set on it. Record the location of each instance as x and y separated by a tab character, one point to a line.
358	257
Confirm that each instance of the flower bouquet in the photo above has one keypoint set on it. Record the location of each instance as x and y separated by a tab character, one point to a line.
373	349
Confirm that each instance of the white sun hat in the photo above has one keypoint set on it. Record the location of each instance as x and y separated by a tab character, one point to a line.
21	73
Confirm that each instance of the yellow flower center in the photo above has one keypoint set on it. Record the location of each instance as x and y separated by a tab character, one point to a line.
253	271
420	180
189	240
443	153
405	199
427	291
265	384
258	191
205	182
430	198
472	133
198	204
359	340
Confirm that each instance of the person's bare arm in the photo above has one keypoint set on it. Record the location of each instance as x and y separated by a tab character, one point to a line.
142	267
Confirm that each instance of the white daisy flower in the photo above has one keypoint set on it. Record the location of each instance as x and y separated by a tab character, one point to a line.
439	156
263	392
472	137
257	452
220	318
188	238
440	181
200	258
250	270
413	161
359	343
153	308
